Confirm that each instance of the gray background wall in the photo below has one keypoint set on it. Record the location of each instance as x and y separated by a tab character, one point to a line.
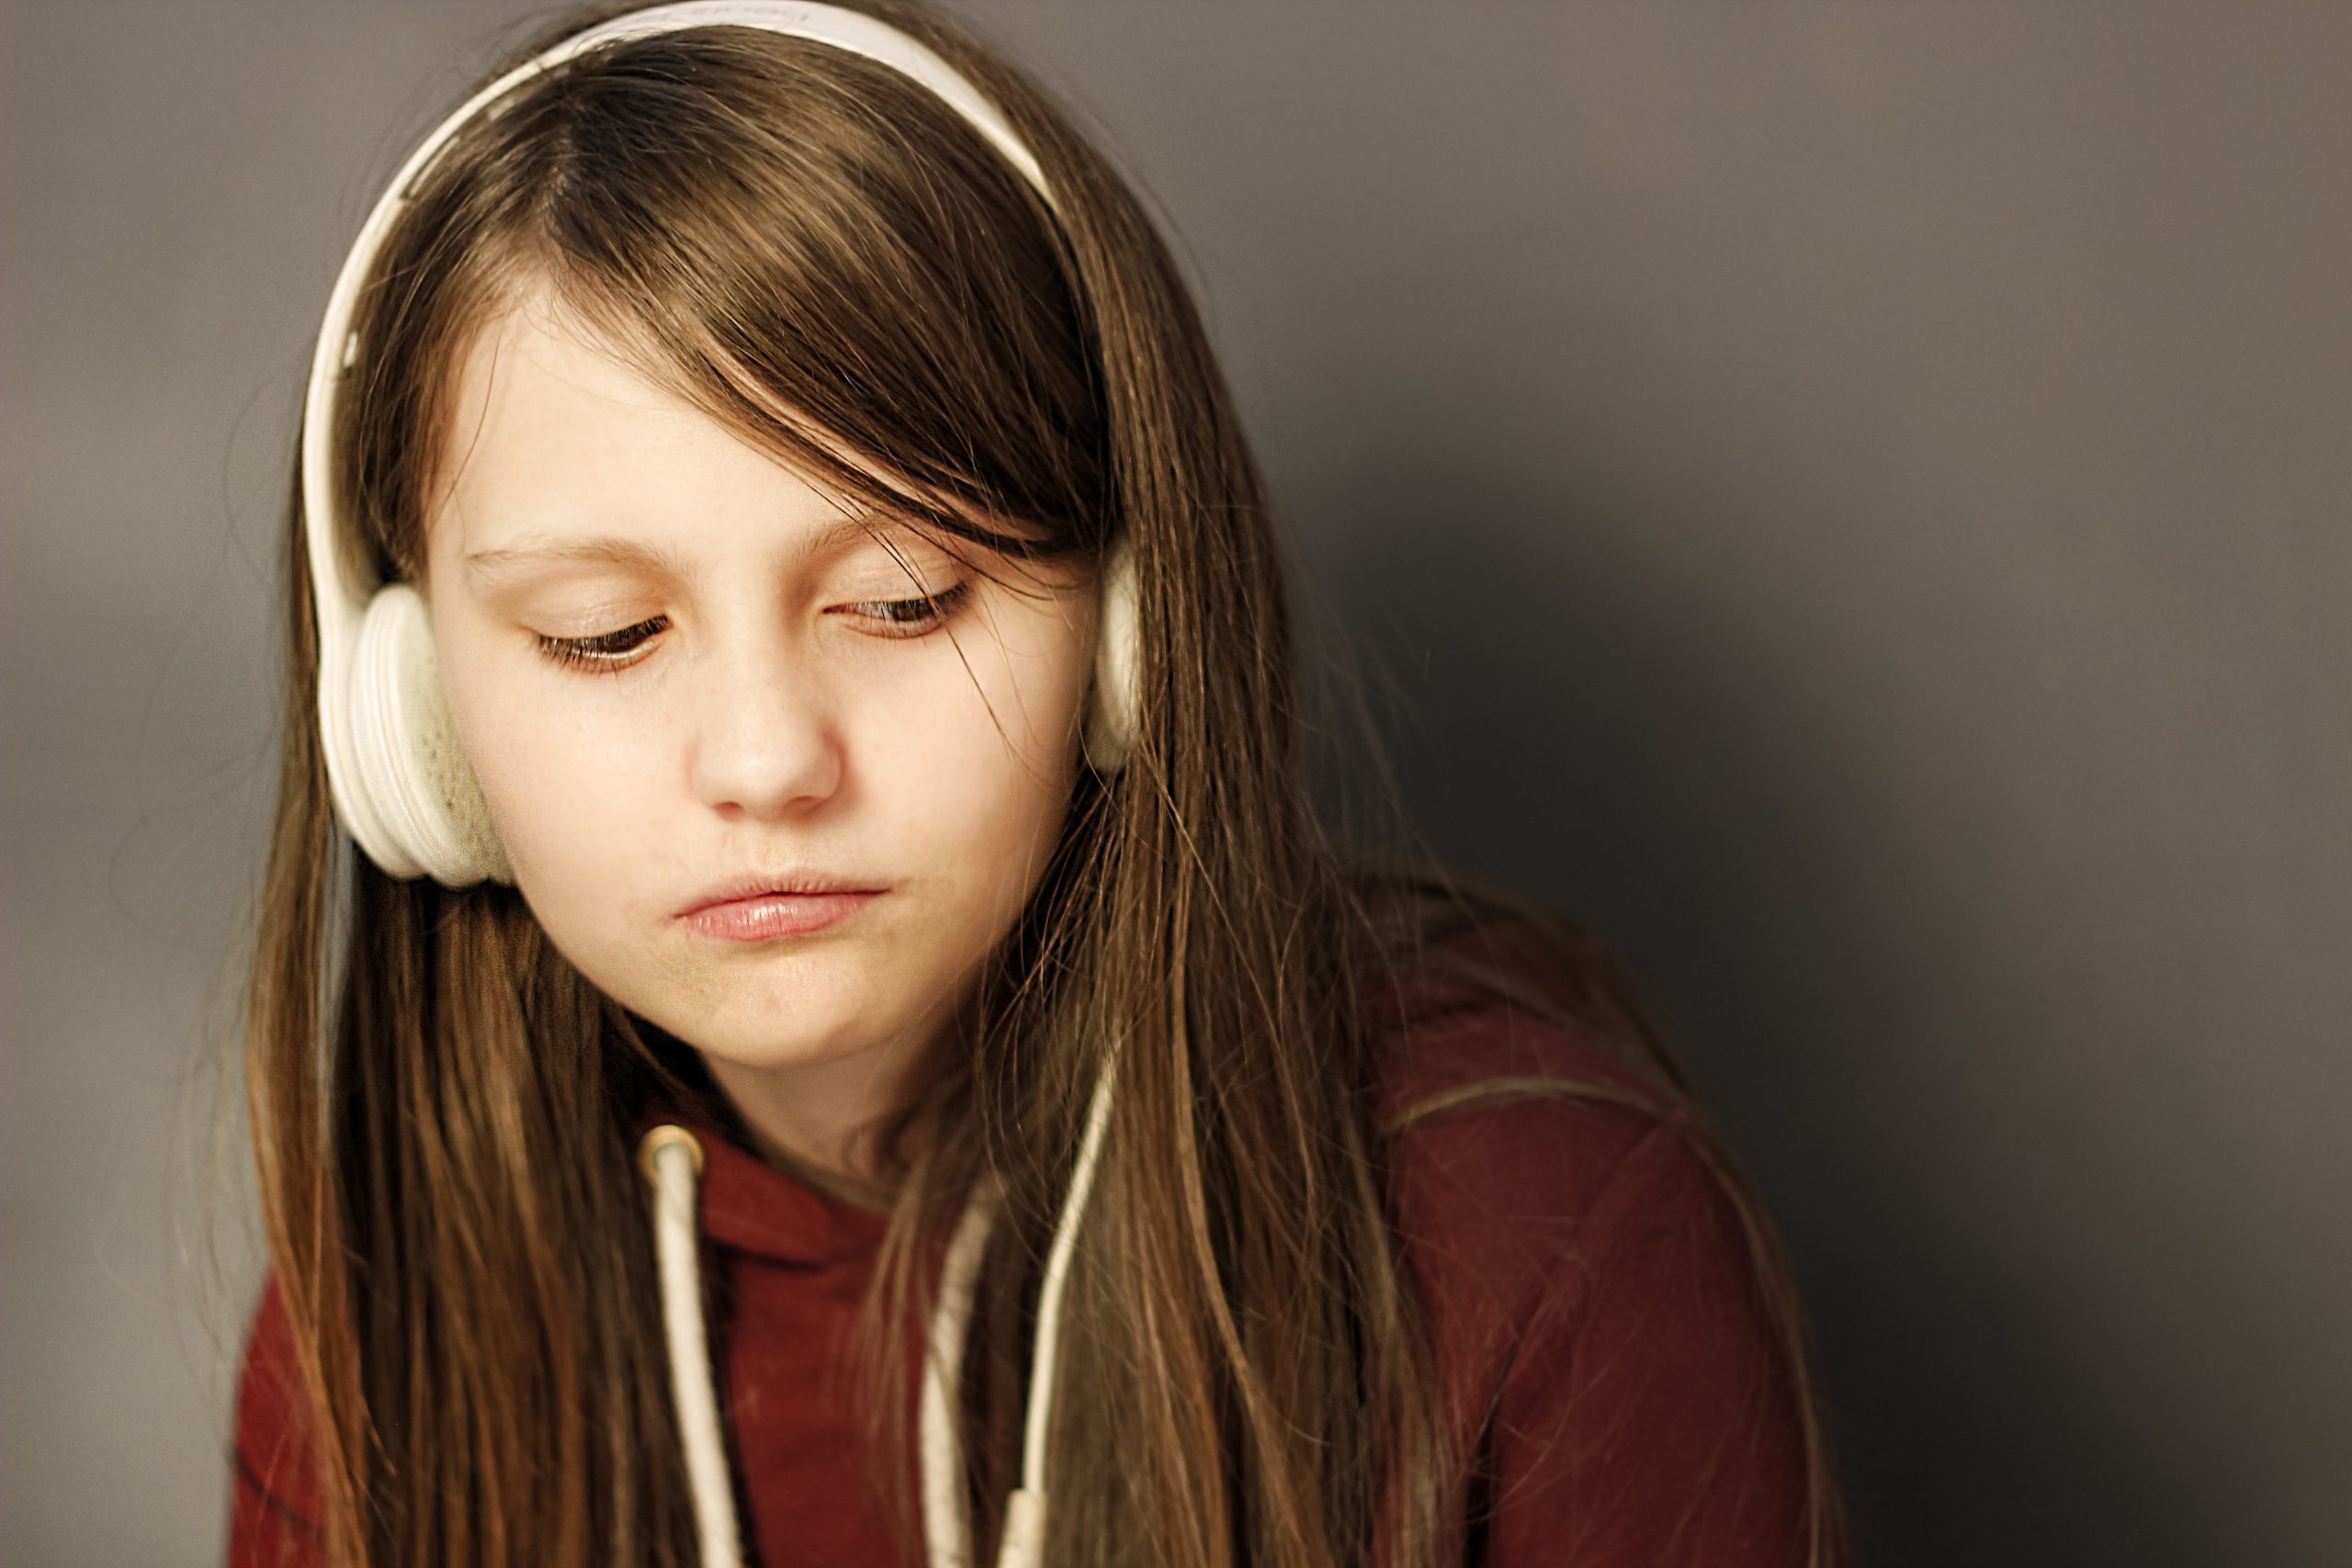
1850	500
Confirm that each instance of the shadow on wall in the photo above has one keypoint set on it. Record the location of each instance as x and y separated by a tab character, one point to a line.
1564	718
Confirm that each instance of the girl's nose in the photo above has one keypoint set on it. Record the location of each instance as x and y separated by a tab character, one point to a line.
767	743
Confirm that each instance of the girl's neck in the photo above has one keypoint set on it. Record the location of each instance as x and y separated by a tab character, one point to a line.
818	1122
849	1179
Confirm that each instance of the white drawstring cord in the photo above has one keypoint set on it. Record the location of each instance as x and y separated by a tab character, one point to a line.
946	1515
672	1160
1022	1543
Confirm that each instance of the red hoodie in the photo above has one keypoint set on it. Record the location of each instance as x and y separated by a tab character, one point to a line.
1601	1335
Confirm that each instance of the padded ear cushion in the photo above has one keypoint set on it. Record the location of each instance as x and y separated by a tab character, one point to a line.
1113	713
413	782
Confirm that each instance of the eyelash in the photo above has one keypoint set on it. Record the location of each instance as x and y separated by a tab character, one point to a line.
607	652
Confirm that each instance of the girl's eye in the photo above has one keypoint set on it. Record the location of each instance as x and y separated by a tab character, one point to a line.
606	653
912	617
610	653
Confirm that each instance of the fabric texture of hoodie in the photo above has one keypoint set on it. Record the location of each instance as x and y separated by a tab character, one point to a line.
1602	1334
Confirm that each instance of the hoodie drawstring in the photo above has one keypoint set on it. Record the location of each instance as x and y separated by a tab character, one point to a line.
946	1516
672	1159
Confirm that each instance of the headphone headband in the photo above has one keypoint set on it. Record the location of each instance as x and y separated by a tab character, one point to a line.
387	829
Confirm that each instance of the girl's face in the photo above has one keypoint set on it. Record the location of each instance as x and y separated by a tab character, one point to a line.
673	663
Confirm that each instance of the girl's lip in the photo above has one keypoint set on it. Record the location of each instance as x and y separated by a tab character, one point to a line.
768	916
758	884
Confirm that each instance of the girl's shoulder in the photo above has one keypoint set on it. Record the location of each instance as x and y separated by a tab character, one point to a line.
1508	1001
1604	1318
1519	1103
274	1504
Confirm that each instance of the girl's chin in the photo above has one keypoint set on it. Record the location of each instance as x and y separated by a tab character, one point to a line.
774	1055
789	1027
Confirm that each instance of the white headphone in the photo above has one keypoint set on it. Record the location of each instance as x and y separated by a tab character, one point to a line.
400	783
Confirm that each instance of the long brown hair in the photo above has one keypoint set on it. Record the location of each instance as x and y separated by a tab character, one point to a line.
831	262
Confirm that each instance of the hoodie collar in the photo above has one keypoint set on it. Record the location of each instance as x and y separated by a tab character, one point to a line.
743	1202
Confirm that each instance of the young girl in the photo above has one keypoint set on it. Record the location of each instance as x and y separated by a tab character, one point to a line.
841	1041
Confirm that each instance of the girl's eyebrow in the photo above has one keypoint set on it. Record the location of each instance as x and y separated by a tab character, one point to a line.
614	551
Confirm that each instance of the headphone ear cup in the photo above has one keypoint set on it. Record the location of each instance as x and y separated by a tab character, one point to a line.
413	778
1114	711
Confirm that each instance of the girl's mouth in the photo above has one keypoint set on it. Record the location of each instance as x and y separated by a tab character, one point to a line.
767	916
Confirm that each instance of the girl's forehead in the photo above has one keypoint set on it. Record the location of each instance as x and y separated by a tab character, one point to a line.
551	421
539	347
556	431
